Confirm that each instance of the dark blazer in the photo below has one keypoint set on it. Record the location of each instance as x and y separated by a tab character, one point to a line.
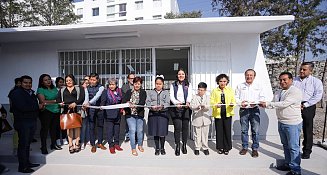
108	100
24	105
140	110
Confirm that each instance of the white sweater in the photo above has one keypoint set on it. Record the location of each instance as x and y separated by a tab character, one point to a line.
288	105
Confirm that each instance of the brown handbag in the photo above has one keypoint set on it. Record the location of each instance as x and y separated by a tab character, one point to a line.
5	127
70	121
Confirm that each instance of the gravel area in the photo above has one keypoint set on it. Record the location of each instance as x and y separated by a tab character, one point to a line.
318	124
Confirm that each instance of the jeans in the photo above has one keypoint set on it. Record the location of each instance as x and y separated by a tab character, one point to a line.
252	116
135	125
85	131
290	138
25	129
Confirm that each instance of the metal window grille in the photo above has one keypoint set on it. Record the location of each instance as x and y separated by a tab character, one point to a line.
108	64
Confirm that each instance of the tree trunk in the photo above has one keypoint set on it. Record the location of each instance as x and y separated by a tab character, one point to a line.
323	83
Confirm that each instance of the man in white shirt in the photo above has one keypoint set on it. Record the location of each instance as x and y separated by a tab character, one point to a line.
312	92
287	102
248	94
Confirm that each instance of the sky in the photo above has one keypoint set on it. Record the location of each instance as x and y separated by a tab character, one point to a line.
206	9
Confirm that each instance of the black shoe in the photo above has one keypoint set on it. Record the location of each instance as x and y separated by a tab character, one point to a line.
184	149
126	139
206	152
44	150
55	147
305	156
220	151
26	170
292	173
177	149
32	165
226	152
283	168
34	140
157	152
163	152
196	152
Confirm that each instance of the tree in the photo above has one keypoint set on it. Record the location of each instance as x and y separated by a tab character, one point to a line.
48	12
192	14
307	33
10	13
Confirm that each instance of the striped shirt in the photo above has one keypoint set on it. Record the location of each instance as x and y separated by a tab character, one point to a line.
312	89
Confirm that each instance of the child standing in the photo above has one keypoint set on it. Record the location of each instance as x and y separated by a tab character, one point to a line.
201	119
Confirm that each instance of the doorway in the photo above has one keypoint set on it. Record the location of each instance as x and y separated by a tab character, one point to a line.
169	60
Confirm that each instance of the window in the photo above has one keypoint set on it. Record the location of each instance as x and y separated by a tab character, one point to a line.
122	10
108	63
157	17
79	12
95	11
110	1
139	18
138	5
111	11
156	3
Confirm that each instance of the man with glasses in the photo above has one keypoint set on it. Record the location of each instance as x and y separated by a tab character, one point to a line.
312	91
127	86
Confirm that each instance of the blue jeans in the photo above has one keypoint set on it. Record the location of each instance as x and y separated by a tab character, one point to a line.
135	125
290	138
85	131
252	116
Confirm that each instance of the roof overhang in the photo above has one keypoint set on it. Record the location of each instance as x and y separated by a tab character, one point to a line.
250	24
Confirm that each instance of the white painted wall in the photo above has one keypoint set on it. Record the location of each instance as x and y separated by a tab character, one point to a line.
241	51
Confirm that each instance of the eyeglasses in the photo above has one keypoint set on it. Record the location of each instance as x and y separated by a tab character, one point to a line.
86	79
131	78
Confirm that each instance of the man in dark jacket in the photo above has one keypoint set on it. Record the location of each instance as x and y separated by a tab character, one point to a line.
127	86
25	108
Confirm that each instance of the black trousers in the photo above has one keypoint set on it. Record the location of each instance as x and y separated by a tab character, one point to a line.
25	129
113	126
96	121
49	123
181	121
223	133
307	115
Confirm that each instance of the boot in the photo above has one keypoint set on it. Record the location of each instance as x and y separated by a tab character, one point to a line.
184	150
178	149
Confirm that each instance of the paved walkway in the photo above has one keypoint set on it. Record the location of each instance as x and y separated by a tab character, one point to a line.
123	163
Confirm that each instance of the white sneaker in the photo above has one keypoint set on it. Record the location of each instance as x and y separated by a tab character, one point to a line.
58	142
65	142
88	143
83	146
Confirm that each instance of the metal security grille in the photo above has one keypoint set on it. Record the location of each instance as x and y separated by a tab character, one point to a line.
108	64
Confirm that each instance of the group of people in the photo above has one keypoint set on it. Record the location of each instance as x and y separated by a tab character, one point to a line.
179	102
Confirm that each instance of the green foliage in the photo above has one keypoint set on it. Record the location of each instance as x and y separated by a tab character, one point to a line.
10	13
48	12
14	13
307	33
192	14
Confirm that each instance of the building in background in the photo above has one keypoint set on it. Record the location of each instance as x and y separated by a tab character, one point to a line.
93	11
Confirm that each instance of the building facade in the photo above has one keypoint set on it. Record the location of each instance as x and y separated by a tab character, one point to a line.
92	11
205	47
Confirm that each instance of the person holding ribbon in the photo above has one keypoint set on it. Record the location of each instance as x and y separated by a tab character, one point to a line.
111	96
69	97
135	114
49	116
158	101
201	119
222	100
181	95
249	94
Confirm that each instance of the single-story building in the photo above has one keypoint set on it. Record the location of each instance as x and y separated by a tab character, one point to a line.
205	47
